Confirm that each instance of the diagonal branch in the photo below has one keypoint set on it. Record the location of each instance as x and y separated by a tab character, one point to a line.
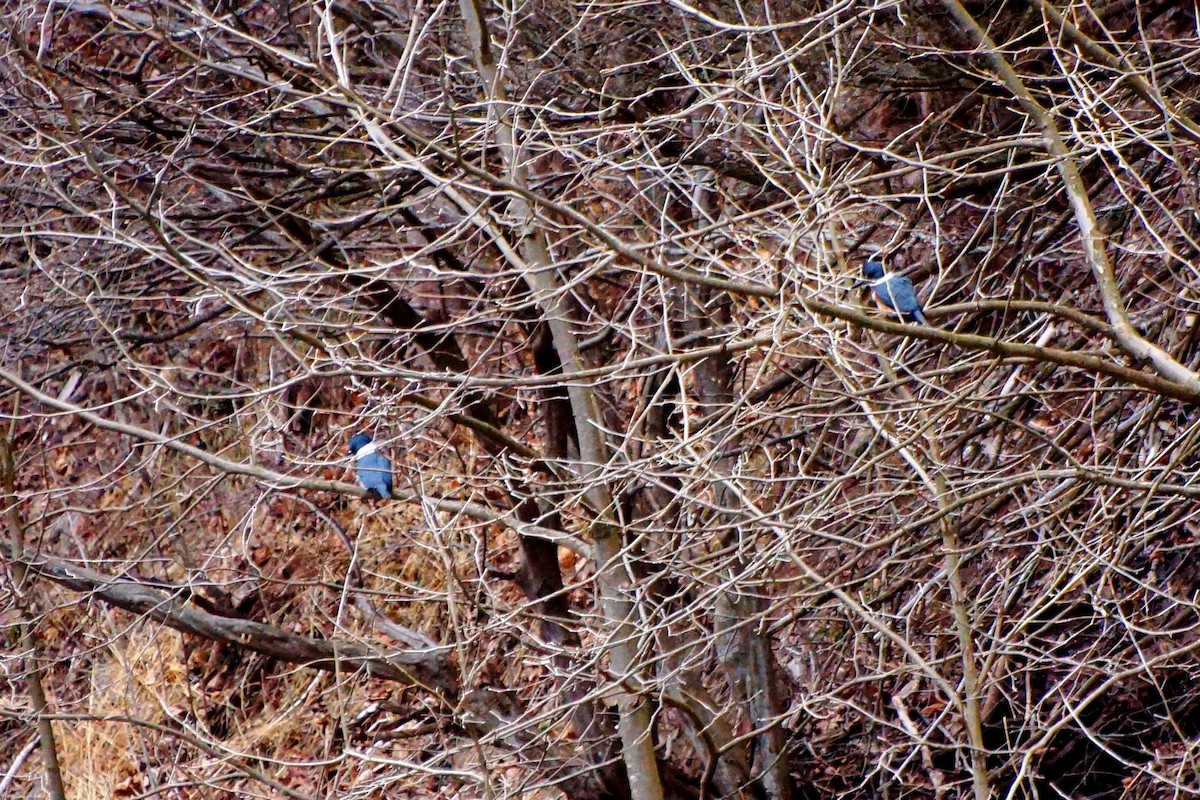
1142	87
429	669
1085	215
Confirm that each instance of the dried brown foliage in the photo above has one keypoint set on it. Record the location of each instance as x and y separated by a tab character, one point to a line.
676	514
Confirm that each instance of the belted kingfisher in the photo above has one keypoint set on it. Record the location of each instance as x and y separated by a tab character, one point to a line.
374	470
892	292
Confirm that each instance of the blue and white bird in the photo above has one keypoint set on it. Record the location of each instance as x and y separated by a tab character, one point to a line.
893	292
374	470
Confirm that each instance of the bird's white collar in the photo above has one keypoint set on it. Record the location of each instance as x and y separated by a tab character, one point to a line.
887	276
367	449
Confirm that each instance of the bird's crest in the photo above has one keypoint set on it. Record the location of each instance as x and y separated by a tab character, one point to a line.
873	269
358	441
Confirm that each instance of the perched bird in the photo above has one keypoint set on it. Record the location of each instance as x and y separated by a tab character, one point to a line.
892	292
374	470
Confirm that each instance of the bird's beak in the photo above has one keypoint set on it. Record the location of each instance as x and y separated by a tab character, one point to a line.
860	283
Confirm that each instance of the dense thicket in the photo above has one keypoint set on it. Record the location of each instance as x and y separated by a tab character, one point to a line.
678	513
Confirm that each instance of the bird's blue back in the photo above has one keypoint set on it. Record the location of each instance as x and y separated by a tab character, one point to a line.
898	293
375	474
374	470
894	291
